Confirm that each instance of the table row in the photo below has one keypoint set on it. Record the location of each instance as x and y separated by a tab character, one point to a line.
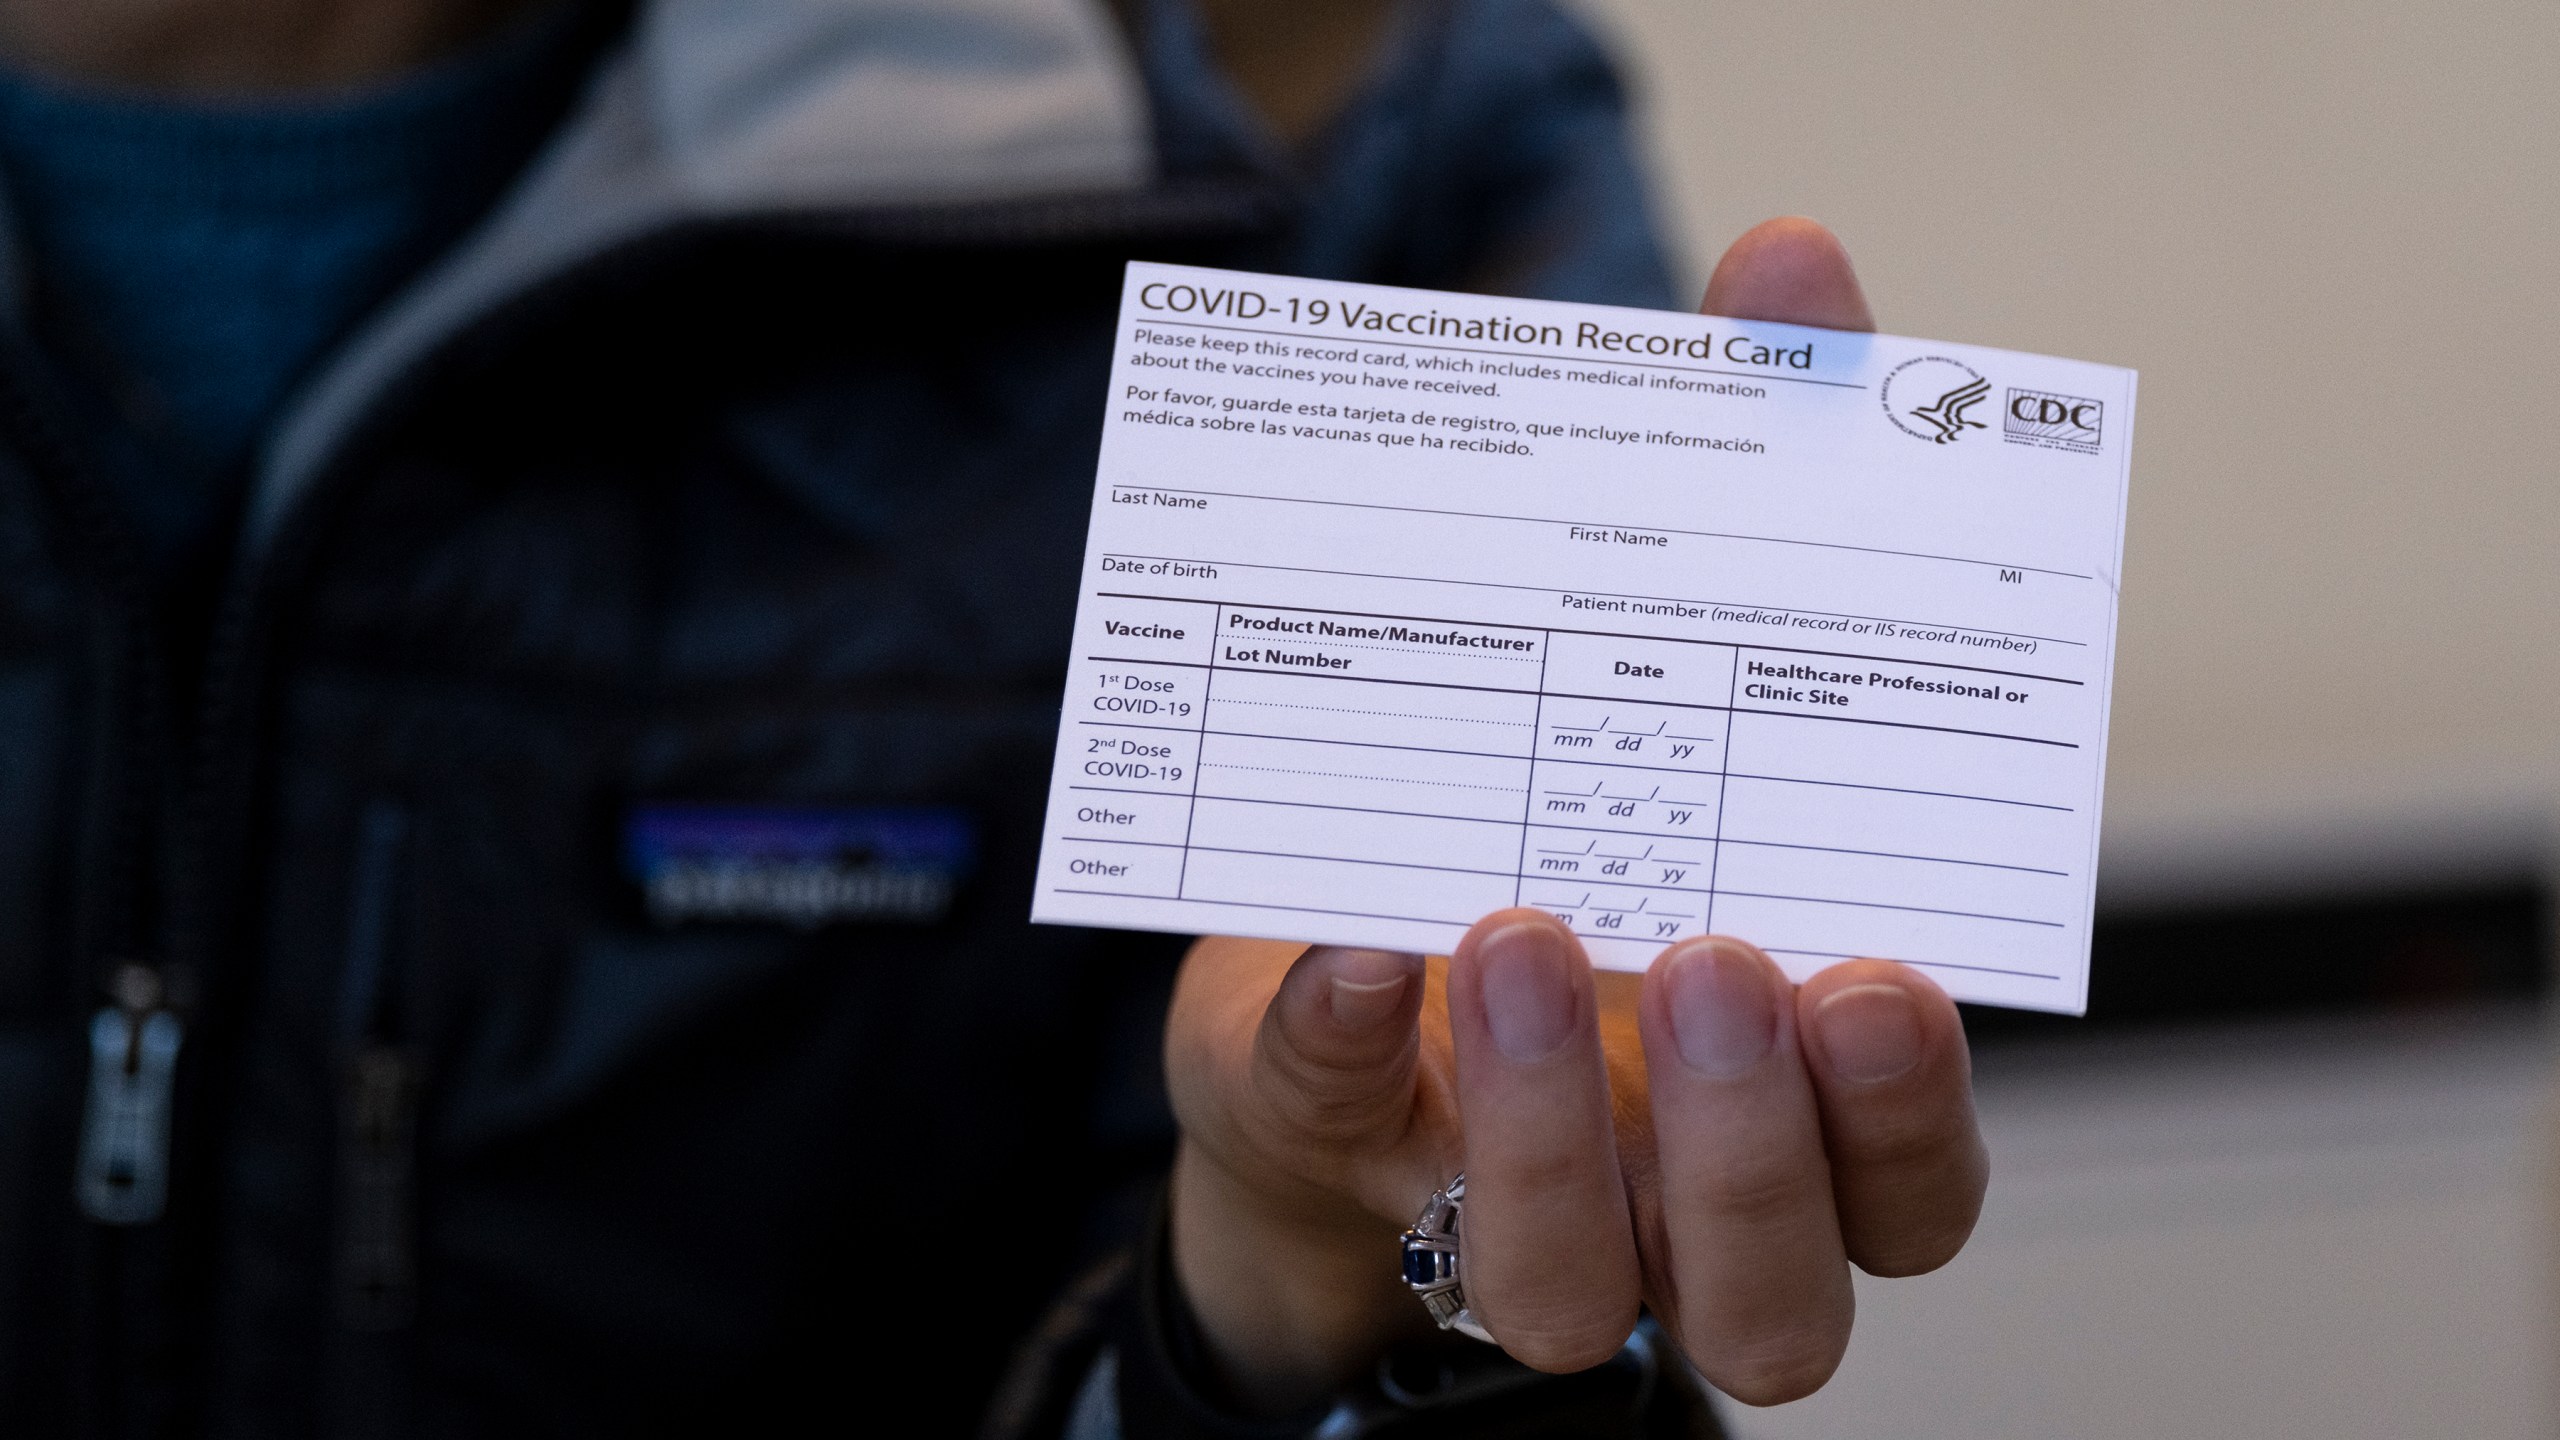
1765	834
1156	776
1156	658
1819	904
1267	726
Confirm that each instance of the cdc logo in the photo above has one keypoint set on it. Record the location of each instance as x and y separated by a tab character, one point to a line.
2057	422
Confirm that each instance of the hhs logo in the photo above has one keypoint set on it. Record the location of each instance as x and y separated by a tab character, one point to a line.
1932	398
2056	422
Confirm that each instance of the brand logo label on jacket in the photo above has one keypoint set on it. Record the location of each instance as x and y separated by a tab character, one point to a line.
802	866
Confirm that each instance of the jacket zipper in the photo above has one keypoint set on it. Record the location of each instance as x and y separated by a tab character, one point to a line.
376	1260
121	1174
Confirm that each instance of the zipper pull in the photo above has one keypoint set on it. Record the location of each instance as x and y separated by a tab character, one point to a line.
124	1138
377	1164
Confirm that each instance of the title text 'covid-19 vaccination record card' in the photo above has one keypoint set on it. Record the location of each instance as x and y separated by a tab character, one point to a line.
1402	607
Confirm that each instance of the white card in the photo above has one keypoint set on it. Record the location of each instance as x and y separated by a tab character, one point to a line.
1401	607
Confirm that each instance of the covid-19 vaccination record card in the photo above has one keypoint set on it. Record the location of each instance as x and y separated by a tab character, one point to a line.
1402	607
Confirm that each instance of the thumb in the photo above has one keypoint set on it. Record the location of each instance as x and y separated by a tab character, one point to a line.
1336	1054
1790	270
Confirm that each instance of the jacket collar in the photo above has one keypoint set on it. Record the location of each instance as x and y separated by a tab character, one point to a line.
724	109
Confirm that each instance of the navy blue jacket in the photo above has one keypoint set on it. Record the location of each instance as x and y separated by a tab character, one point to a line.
703	490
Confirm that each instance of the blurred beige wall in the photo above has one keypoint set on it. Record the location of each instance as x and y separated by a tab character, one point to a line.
2325	233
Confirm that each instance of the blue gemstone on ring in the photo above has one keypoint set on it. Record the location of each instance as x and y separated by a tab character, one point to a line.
1427	1267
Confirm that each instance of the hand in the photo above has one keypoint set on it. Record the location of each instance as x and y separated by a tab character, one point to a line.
1710	1140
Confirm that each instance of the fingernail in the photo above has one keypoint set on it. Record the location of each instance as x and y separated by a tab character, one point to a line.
1724	1010
1528	989
1363	1005
1869	1032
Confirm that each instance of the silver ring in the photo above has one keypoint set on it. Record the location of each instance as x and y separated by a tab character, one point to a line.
1431	1262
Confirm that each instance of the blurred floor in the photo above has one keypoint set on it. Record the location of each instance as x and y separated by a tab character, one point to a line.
2334	1229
